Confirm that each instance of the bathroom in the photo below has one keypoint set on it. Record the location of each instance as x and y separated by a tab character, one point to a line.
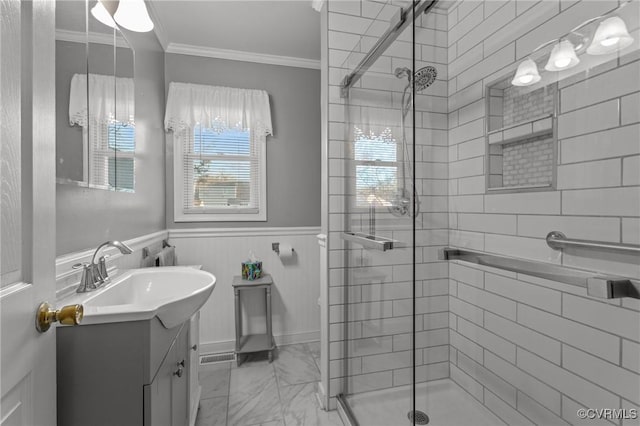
444	197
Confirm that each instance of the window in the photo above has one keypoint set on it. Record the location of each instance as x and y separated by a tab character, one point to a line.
222	174
111	155
219	147
376	168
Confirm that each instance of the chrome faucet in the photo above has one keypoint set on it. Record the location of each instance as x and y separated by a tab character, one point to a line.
95	274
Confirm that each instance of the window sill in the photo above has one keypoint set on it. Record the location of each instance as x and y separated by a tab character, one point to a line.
220	217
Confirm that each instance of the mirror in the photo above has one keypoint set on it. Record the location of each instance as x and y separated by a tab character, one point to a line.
95	101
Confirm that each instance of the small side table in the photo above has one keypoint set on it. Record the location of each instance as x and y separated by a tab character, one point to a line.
253	342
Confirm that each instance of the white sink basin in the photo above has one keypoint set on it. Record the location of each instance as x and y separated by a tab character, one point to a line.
173	294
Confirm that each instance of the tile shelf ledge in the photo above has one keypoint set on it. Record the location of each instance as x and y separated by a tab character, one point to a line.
519	187
537	126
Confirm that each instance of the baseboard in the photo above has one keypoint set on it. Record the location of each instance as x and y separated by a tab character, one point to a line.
281	340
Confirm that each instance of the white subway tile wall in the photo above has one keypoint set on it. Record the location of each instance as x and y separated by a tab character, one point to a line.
532	351
569	350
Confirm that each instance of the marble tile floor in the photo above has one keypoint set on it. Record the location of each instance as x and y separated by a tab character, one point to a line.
259	393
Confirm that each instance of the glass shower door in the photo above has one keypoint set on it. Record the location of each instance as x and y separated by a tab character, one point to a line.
380	215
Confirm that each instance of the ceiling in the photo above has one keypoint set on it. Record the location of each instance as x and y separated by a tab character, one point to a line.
268	27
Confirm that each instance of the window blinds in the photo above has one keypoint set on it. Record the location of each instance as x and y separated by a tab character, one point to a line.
111	155
221	170
376	168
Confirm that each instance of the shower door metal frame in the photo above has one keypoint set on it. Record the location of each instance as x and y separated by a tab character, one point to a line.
398	24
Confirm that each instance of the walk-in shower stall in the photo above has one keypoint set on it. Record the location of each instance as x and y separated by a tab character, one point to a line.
483	212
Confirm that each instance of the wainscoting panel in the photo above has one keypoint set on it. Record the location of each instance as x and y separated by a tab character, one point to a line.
296	314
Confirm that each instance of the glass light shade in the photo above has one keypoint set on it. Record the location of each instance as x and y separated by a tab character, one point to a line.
611	36
563	56
133	15
100	13
526	74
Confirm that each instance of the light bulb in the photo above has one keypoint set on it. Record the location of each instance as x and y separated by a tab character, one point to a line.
610	36
562	57
133	15
526	74
609	41
562	62
100	13
525	79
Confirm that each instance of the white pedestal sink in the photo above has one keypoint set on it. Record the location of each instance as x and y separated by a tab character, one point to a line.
172	294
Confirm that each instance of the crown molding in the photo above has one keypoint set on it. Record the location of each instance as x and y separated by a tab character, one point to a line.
239	55
93	37
158	29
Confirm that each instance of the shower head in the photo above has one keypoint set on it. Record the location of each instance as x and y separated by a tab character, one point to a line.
424	78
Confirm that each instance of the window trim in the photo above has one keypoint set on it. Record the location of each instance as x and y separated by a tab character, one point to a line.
230	215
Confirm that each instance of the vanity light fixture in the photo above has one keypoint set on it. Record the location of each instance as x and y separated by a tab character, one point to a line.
527	73
129	14
133	15
610	36
563	56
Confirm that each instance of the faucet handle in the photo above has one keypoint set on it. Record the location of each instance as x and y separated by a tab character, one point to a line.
102	268
90	277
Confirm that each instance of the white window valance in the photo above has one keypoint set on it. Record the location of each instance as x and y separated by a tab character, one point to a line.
217	107
110	98
375	121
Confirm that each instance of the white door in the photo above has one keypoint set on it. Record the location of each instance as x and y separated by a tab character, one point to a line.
27	207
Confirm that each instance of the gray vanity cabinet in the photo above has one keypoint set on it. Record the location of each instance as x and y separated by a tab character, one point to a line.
129	373
165	398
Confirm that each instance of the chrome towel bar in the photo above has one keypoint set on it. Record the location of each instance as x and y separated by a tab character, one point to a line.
369	241
597	285
558	241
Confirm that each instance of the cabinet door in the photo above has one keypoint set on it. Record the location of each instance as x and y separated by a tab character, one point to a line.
180	380
194	350
158	394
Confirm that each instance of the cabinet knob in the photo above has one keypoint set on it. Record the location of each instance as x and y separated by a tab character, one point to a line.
194	347
178	372
181	363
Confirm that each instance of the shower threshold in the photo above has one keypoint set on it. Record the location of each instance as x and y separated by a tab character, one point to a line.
444	401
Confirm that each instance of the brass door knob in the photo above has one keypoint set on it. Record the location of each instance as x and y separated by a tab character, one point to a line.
68	315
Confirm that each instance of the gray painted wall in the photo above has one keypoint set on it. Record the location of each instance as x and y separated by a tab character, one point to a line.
86	217
293	152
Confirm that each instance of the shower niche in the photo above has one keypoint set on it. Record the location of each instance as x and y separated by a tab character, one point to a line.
521	136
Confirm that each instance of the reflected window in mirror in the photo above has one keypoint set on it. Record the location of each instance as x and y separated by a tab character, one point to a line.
95	102
108	128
